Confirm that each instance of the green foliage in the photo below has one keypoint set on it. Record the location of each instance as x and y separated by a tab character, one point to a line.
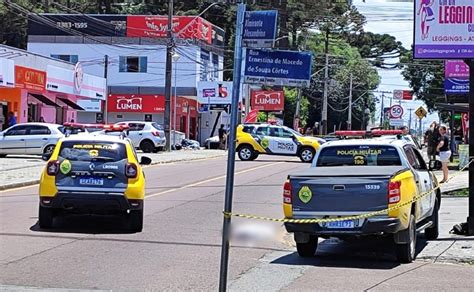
291	97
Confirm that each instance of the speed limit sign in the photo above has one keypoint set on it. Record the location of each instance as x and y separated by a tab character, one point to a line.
396	112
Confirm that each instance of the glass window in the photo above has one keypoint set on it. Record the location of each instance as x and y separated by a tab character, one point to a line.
136	126
357	155
92	151
419	158
248	129
411	157
133	64
157	126
38	130
17	131
264	131
68	58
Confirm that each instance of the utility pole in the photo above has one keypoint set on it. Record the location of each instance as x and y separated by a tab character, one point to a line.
46	6
470	218
349	116
382	113
324	119
296	120
169	68
106	69
409	121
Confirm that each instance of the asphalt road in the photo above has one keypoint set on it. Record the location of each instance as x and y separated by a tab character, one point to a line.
179	248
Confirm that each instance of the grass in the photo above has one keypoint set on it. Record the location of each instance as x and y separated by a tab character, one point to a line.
458	193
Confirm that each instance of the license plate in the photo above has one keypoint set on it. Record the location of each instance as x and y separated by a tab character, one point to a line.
341	224
90	181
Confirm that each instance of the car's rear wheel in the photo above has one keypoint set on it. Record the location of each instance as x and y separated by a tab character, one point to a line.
246	153
432	233
147	146
255	155
45	217
307	249
3	155
406	252
307	154
136	220
48	150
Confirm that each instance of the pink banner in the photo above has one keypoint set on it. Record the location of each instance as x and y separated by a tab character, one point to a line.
456	69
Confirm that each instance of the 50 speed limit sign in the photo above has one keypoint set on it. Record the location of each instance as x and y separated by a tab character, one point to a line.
396	111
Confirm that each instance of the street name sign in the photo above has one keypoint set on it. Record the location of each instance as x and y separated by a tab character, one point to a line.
260	28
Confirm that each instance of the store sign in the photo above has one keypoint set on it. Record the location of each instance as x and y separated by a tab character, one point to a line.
444	29
268	100
27	78
214	92
283	68
186	27
90	105
260	28
456	74
134	103
7	73
402	95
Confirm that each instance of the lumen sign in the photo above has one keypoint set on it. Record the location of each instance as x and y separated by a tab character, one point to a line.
444	29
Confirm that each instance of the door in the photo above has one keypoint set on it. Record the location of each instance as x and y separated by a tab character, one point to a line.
13	140
282	141
37	138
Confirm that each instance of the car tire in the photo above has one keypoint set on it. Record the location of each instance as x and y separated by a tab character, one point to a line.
432	233
136	220
147	146
307	249
48	150
307	154
406	252
254	156
246	153
45	217
3	155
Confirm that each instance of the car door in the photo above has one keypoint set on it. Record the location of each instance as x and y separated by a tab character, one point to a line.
37	138
426	180
262	137
282	141
13	140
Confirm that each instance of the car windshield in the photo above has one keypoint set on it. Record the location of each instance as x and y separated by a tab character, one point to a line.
157	126
92	151
293	131
357	155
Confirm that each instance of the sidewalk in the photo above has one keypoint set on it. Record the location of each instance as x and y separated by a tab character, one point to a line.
18	171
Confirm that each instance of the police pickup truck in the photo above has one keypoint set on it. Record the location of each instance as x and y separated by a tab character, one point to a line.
353	177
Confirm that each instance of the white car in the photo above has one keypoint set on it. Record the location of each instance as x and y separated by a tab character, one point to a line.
146	136
30	138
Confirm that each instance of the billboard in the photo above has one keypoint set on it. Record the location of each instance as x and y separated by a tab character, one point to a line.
284	68
259	28
444	29
135	103
214	92
267	100
456	77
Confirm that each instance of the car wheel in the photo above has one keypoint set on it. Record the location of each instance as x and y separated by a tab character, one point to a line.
254	156
147	146
432	232
136	220
406	252
307	154
3	155
246	153
45	217
48	150
307	249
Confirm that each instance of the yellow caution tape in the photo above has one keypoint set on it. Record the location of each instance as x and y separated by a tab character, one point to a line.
355	217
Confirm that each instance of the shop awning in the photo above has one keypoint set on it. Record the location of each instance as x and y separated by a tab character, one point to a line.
457	107
71	104
44	99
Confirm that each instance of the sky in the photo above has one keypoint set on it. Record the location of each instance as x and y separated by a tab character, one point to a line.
394	18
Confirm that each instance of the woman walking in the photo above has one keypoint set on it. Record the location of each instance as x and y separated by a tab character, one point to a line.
444	152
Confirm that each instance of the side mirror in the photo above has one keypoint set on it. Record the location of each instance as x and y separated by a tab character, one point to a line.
145	160
46	157
434	165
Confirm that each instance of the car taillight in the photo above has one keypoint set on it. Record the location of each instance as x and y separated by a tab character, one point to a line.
156	133
287	192
394	194
52	168
131	170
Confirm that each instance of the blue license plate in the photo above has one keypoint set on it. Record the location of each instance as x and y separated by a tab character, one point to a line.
90	181
341	224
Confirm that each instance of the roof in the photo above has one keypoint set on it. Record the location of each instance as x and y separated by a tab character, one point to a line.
340	171
95	138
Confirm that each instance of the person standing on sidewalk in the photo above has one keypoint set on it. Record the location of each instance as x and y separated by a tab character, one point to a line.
444	152
432	139
222	137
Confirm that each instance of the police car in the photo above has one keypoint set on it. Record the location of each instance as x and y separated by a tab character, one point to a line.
256	139
93	175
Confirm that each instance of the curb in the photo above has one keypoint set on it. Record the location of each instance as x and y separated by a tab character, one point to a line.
19	185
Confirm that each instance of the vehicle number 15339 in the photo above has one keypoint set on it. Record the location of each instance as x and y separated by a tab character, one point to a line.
372	187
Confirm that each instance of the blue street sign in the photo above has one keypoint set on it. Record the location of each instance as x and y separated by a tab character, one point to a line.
456	86
260	28
283	68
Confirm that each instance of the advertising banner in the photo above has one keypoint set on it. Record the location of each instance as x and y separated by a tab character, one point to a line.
284	68
268	100
7	73
444	29
136	103
90	105
260	28
27	78
456	77
214	92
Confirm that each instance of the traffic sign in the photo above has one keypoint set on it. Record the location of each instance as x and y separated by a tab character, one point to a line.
396	111
260	28
421	112
396	122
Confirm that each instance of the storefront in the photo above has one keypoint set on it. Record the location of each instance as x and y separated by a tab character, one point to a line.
9	101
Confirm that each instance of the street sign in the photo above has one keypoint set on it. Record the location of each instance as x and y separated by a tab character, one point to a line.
402	94
260	28
281	68
214	92
396	122
421	112
396	111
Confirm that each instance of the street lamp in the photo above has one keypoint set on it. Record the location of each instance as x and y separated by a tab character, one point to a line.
175	60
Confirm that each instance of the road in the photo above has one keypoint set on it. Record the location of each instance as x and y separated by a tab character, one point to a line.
179	248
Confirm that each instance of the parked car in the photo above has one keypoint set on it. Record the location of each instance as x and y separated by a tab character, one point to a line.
146	136
30	138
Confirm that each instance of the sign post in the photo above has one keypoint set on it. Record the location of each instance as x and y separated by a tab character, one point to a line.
470	218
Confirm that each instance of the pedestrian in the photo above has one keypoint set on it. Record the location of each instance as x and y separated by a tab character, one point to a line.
316	129
309	131
444	151
432	140
11	119
42	120
222	137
